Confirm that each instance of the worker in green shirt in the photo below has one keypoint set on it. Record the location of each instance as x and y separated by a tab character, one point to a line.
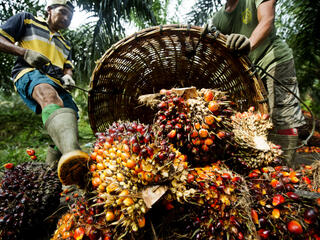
249	26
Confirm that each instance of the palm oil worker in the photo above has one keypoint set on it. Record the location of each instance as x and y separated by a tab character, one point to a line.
42	71
249	25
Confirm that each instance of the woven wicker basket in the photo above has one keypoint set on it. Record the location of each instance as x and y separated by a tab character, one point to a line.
164	57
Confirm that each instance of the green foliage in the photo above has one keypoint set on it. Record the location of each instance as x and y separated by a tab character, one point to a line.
299	22
202	10
22	129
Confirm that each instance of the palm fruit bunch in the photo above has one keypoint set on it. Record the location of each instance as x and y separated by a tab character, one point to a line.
29	193
82	221
221	203
196	122
253	150
126	160
285	203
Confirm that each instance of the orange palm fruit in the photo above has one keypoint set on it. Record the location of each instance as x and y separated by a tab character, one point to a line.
209	119
141	222
131	163
128	201
213	106
276	213
203	133
96	181
208	95
110	216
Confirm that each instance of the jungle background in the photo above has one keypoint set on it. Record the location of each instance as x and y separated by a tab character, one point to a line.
296	22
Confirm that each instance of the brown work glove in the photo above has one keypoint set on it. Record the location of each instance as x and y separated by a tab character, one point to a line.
35	59
239	43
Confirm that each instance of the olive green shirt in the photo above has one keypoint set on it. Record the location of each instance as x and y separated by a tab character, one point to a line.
243	20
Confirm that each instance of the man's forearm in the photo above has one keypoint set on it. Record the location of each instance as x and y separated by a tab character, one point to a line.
266	16
260	33
8	47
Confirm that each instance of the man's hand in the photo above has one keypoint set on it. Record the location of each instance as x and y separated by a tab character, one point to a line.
68	81
239	43
35	59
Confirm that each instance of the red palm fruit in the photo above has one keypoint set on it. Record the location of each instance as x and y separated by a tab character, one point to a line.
190	178
172	133
253	175
208	95
93	156
8	165
197	126
310	215
135	148
205	148
293	195
221	134
162	105
30	152
78	233
295	227
236	179
178	126
134	125
149	150
195	150
274	183
140	128
188	128
203	133
194	134
209	119
196	141
93	167
109	139
306	180
263	233
169	206
240	236
277	200
213	106
133	140
255	217
226	176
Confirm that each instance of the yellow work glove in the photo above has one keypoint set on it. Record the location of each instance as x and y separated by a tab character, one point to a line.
35	59
239	43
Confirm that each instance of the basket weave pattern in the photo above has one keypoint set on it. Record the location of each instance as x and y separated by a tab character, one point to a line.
164	57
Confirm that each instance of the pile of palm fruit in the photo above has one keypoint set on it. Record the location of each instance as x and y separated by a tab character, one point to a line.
202	170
